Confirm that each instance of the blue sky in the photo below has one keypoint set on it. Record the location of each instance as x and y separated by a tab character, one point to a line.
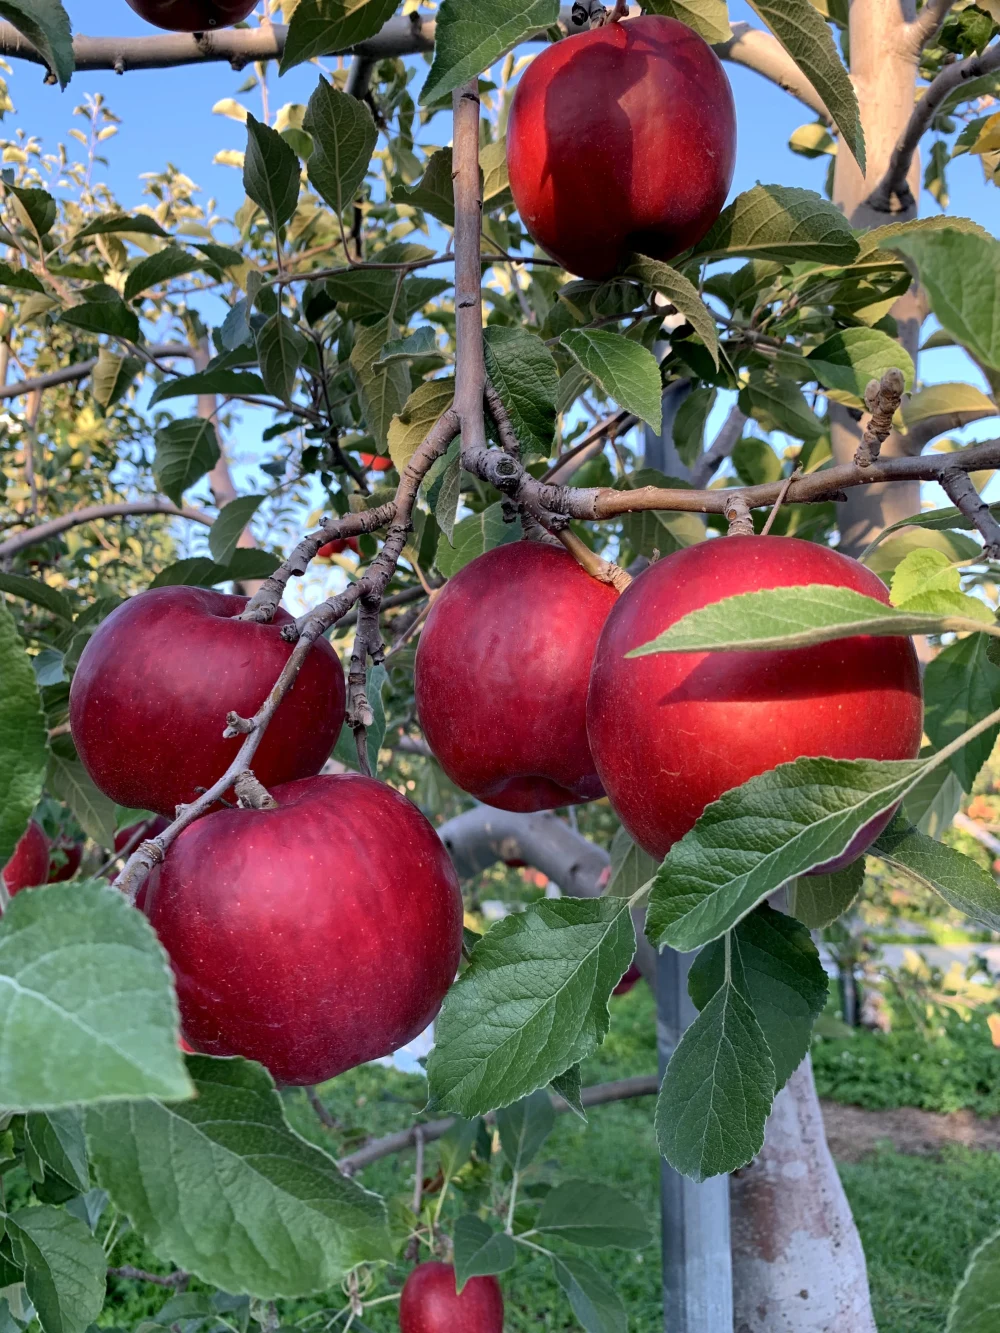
166	117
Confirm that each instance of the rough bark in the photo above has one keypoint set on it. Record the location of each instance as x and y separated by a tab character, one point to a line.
798	1264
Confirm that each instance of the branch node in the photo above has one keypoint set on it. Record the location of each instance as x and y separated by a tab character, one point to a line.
738	516
238	726
252	794
882	399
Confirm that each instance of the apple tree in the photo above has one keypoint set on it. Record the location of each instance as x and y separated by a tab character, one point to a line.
463	572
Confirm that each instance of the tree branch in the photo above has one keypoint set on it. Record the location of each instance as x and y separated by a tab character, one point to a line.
958	487
893	184
765	55
43	531
928	22
79	370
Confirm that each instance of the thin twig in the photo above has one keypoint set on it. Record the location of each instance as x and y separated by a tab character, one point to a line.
958	487
778	503
41	532
322	1114
178	1280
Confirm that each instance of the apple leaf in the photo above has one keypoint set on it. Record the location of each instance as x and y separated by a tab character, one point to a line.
595	1216
960	881
221	381
848	359
38	593
420	343
434	192
777	403
472	35
783	223
472	537
108	224
479	1250
717	1092
87	1008
185	451
383	390
228	527
344	138
597	1305
569	1086
281	349
524	374
934	801
709	18
779	975
69	782
64	1267
937	520
680	293
960	402
443	489
961	683
631	868
818	900
59	1142
161	266
113	376
47	27
104	312
524	1127
256	1209
327	27
533	1001
660	530
24	746
976	1301
960	272
200	572
409	427
625	370
806	36
270	173
21	279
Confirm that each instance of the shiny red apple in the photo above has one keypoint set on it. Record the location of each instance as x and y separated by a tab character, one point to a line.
149	699
338	546
431	1304
501	676
621	139
375	462
311	937
193	15
671	732
64	861
29	865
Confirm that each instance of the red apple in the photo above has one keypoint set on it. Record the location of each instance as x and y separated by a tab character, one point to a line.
338	546
149	699
672	731
68	863
29	865
501	677
621	139
311	937
193	15
630	979
375	462
430	1303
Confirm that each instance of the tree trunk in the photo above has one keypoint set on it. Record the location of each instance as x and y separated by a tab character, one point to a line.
798	1264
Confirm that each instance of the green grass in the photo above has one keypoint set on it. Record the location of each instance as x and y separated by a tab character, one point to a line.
919	1218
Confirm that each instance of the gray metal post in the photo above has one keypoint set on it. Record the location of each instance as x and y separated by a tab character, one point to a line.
697	1262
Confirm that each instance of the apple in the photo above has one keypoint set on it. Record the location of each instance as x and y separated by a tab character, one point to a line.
501	676
150	695
29	865
629	980
375	462
621	139
338	546
311	937
193	15
68	862
431	1304
672	731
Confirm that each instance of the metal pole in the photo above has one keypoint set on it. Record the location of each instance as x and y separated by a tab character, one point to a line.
697	1261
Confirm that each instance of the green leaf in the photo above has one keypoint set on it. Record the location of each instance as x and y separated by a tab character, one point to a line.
804	34
472	537
596	1305
975	1306
522	370
798	617
344	138
848	359
961	882
195	572
926	582
593	1215
383	391
64	1267
496	180
228	527
456	1145
533	1001
625	370
113	376
36	208
21	279
479	1250
87	1008
409	428
569	1086
281	349
58	1139
104	315
709	18
256	1209
962	403
689	424
674	286
960	272
23	739
69	782
444	489
936	520
159	267
46	25
778	403
651	530
755	461
418	344
782	223
818	900
270	173
221	381
434	192
473	34
185	451
779	975
324	27
524	1127
38	593
962	685
934	801
716	1094
631	868
139	224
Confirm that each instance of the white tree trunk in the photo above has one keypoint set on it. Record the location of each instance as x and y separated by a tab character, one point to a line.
798	1264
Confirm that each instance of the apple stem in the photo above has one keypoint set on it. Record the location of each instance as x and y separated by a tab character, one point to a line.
882	398
252	794
738	516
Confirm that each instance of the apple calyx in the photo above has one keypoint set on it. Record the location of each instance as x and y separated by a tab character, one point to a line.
251	794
